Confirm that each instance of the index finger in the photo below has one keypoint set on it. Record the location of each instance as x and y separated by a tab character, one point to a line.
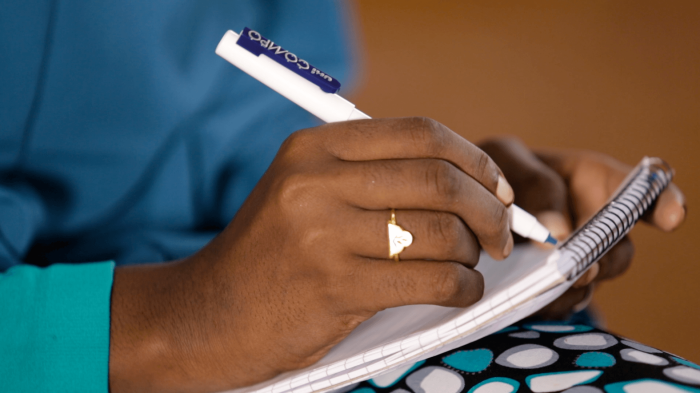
415	137
594	177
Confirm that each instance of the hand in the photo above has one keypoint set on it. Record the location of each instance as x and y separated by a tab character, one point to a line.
564	188
305	260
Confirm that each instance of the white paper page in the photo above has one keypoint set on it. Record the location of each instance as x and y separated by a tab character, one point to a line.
396	323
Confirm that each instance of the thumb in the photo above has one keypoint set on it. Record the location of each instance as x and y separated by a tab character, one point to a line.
556	223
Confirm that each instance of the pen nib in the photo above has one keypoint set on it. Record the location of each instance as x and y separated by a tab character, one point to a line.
551	240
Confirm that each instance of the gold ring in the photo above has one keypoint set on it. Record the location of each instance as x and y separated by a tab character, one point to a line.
398	238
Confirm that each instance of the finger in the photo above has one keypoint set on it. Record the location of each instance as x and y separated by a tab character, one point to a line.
415	137
427	184
594	177
538	188
386	284
580	306
669	211
437	236
617	260
556	222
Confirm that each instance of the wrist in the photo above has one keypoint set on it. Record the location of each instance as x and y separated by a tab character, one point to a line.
141	342
179	326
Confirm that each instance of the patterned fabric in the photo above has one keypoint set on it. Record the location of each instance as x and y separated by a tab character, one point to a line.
543	357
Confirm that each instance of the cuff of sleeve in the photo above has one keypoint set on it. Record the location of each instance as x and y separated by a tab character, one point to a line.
59	321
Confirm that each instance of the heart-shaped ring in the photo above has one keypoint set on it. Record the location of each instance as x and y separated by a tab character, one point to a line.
398	238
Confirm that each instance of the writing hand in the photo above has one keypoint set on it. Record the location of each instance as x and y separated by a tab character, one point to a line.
306	260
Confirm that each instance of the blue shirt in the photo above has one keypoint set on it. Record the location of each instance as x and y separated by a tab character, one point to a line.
124	137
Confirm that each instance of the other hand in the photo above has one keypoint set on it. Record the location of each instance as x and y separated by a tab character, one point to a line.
563	189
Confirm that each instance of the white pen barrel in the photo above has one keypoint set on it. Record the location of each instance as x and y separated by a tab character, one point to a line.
326	106
526	225
331	108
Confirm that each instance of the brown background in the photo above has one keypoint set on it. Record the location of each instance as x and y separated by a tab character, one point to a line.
621	77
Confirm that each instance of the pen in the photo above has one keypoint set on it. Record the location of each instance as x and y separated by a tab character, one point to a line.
315	91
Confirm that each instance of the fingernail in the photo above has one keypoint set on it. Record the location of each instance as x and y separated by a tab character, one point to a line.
670	216
671	209
509	246
555	222
504	192
676	216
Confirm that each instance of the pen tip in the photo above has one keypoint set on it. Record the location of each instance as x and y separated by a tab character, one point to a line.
551	240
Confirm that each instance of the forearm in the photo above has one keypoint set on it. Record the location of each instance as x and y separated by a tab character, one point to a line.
139	344
157	339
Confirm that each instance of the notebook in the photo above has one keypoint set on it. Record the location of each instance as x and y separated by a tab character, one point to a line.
395	339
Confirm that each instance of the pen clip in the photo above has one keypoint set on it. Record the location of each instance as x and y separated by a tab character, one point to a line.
256	44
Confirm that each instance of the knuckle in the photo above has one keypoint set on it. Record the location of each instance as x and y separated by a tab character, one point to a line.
441	179
446	283
427	132
296	141
295	189
501	218
483	167
473	253
382	172
498	217
446	228
311	239
405	289
299	146
487	171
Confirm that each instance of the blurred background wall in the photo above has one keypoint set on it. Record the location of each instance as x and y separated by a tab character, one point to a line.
620	77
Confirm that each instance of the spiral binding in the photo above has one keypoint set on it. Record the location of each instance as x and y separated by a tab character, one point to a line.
590	242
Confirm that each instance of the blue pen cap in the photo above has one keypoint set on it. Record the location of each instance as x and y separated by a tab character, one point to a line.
256	44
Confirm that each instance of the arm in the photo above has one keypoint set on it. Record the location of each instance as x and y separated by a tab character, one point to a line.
54	322
54	334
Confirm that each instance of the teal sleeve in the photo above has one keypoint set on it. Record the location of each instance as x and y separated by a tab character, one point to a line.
54	328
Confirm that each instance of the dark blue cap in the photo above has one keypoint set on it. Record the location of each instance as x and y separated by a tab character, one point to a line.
255	43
